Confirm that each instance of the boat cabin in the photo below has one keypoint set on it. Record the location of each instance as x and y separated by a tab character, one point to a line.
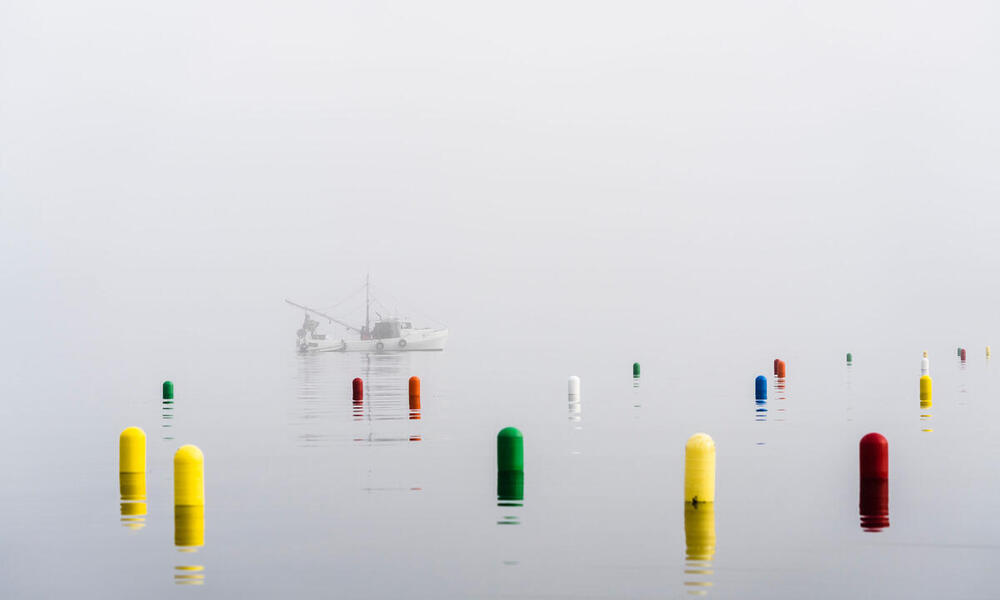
390	328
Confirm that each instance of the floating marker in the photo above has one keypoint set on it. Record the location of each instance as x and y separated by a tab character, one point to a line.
850	358
699	469
132	451
925	366
414	397
962	354
358	389
873	455
776	361
574	388
635	369
510	450
873	504
168	390
925	354
760	387
987	351
781	369
925	388
189	476
958	352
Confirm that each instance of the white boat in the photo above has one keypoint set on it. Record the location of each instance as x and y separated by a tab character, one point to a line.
387	334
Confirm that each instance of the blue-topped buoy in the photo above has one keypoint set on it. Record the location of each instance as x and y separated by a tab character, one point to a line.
760	387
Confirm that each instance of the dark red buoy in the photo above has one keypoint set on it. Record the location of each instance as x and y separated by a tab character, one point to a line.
963	355
776	361
780	370
358	387
874	456
873	504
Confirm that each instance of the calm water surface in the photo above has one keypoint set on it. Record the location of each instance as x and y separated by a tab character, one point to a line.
311	493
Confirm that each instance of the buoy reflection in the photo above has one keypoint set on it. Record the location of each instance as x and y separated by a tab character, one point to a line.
189	536
874	504
133	504
926	416
510	493
699	538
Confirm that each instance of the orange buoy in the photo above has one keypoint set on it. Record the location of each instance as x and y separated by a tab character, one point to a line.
780	370
414	397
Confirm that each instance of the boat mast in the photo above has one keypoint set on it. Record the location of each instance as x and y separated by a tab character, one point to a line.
368	317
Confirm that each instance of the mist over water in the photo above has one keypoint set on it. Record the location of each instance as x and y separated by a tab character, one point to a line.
569	188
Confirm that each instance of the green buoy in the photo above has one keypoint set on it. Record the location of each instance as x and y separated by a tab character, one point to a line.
168	390
635	369
510	450
850	358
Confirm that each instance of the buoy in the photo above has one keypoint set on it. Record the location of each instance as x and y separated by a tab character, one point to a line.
510	450
850	358
168	390
958	352
357	389
873	455
781	369
189	526
414	392
699	469
132	451
776	361
962	354
926	385
925	366
987	351
873	504
699	531
925	354
635	369
574	388
189	476
760	387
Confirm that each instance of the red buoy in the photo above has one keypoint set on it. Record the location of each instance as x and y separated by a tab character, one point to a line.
873	504
874	457
963	355
776	361
358	388
780	369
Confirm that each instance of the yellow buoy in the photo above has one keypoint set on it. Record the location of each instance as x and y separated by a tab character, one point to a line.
189	476
189	526
699	469
987	351
132	451
925	354
925	388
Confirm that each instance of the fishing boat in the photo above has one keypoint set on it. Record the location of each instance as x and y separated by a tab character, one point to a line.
386	334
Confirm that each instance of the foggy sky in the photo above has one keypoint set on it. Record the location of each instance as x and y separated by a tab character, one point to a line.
658	170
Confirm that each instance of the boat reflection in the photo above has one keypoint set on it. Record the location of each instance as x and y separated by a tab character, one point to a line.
133	501
874	504
699	537
189	536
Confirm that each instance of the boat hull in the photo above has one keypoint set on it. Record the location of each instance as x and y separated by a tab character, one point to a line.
416	340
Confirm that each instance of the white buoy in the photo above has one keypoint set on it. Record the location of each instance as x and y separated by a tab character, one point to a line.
574	388
925	366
